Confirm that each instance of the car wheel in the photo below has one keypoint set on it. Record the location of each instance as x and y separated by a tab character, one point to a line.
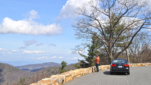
111	72
128	73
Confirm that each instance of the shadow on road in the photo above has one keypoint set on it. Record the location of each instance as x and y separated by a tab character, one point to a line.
108	73
1	77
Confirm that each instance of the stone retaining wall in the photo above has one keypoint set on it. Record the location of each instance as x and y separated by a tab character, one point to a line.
72	74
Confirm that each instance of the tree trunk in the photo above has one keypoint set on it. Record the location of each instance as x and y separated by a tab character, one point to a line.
111	57
127	54
110	53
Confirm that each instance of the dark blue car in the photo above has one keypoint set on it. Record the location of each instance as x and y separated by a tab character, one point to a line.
119	65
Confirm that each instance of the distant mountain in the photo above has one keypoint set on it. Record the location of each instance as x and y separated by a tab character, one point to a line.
10	73
18	63
37	67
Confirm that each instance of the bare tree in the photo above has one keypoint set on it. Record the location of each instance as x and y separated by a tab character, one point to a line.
140	48
97	14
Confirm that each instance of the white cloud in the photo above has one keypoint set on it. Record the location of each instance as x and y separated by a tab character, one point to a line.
38	44
43	57
75	58
38	58
29	52
5	51
14	50
1	49
81	51
46	57
60	57
127	21
22	47
30	42
68	58
54	57
33	14
69	9
28	26
52	45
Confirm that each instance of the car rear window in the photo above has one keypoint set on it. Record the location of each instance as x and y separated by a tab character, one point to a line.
118	61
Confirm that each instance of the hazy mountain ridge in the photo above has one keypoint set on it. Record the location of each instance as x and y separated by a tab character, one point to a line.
36	67
10	73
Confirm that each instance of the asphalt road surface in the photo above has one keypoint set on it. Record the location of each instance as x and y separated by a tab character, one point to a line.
138	76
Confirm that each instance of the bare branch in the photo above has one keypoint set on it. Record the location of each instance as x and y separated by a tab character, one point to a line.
130	40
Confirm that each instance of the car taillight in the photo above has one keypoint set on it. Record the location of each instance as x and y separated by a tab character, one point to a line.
113	65
126	65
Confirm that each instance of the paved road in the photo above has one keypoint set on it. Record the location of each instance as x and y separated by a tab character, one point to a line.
138	76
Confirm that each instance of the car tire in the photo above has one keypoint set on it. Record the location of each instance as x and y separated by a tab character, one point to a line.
111	72
128	73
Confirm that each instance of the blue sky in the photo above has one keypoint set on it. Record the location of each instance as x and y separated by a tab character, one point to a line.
38	31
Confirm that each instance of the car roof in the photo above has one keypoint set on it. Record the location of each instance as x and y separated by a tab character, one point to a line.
119	59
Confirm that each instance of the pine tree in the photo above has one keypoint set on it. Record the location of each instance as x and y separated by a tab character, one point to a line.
92	52
121	42
62	69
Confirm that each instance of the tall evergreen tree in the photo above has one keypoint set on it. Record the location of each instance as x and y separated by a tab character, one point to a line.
92	51
122	40
62	69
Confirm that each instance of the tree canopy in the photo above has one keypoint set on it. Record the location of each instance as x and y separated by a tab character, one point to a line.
111	20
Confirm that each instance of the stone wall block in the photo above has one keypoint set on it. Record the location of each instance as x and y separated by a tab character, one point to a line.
46	81
34	84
